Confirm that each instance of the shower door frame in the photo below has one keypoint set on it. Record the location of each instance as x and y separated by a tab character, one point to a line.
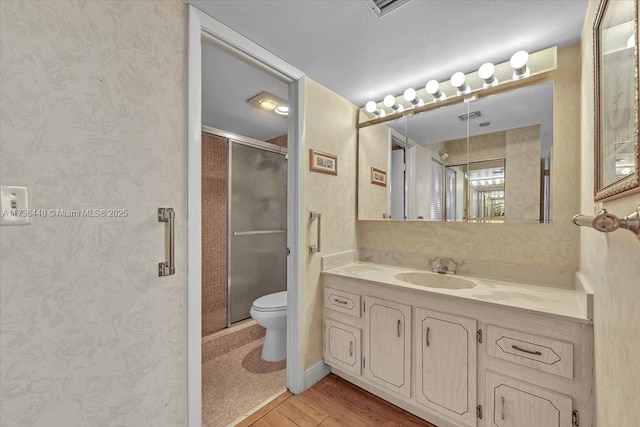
249	142
201	26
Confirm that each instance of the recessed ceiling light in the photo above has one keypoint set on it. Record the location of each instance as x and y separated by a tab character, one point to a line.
283	110
271	103
268	104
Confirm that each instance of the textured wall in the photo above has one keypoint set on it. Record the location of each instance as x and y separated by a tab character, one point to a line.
214	233
553	244
93	112
522	179
374	143
611	264
329	126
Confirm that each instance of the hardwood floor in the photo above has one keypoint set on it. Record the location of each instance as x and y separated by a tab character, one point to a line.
332	402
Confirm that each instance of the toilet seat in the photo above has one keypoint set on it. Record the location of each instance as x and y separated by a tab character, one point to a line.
271	302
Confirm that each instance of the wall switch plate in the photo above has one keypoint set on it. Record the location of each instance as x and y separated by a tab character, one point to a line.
14	205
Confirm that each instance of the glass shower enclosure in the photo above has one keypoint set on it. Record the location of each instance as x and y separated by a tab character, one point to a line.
257	225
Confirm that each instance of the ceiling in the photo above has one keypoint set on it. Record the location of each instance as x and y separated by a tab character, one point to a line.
345	47
227	84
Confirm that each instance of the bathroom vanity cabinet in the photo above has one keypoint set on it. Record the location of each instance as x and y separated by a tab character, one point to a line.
456	361
387	354
446	361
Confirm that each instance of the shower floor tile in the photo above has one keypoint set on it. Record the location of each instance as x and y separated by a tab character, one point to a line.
235	383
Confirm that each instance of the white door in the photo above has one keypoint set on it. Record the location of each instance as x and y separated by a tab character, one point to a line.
397	207
446	364
515	403
342	346
388	344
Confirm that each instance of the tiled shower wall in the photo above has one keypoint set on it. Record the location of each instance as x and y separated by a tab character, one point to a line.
214	233
279	140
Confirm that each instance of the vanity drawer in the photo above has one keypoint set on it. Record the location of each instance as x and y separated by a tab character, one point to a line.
544	354
344	302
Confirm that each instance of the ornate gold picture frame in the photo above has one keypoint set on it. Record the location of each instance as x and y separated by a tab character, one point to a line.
616	158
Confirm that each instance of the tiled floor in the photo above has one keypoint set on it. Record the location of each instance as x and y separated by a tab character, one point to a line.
229	339
235	383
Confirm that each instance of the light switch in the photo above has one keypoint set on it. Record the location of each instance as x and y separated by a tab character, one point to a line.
14	205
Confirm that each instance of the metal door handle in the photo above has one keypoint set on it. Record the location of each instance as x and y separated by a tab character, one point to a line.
398	328
427	336
312	217
168	267
350	348
537	353
502	407
339	301
251	233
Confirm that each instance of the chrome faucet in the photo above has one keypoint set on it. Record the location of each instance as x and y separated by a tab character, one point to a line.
438	267
448	267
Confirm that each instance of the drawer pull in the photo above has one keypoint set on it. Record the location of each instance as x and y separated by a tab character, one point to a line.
350	348
427	336
340	301
398	328
502	407
536	353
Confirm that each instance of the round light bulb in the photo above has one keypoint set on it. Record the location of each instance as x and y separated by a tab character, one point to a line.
483	182
490	182
389	101
631	41
457	80
432	87
486	70
410	94
474	183
283	110
371	107
519	59
487	73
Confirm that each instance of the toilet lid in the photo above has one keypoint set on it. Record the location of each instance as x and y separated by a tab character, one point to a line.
271	302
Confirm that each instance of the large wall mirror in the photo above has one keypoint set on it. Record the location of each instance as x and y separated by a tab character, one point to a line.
487	160
616	99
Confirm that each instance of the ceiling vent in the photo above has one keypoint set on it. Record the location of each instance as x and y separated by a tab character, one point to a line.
469	116
383	7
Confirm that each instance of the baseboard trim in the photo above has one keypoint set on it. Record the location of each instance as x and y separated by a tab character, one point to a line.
315	373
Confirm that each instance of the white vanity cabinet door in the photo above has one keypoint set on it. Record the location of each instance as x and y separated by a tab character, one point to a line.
513	403
446	364
342	346
388	344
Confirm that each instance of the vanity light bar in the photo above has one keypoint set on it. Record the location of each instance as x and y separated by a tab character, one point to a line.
464	86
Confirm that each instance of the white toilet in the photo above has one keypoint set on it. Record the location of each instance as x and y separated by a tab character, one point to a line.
270	311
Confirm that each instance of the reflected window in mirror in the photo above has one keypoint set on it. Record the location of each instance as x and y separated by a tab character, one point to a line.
487	191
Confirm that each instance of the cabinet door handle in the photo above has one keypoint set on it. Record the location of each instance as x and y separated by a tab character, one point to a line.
350	348
502	407
536	353
339	301
398	328
427	336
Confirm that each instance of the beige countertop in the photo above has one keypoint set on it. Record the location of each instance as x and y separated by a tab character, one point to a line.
567	303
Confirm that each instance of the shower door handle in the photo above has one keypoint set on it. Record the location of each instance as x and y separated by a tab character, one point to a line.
168	267
312	217
253	233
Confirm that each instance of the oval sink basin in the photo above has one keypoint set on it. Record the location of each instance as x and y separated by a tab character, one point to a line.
434	280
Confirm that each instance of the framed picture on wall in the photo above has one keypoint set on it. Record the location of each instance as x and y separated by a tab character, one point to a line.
378	177
323	162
